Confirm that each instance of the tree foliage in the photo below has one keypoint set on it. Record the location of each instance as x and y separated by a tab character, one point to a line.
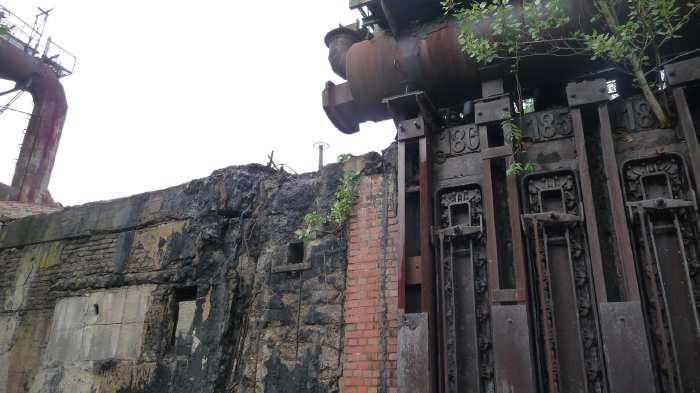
630	34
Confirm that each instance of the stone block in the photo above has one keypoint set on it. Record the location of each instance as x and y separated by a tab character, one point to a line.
130	340
101	341
136	303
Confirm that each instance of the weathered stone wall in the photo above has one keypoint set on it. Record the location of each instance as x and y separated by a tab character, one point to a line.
203	288
10	211
212	242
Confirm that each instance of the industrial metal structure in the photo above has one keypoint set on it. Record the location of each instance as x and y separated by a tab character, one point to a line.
581	276
35	65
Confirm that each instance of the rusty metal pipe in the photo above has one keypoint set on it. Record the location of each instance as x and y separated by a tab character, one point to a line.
339	42
35	163
430	58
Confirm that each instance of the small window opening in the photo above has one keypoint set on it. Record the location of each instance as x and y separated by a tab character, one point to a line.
183	315
656	186
552	201
495	135
528	106
96	309
186	293
295	253
460	214
612	89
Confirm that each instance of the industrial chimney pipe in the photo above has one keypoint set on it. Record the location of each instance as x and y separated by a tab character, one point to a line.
35	164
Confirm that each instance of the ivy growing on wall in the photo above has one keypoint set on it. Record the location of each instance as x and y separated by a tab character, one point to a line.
344	198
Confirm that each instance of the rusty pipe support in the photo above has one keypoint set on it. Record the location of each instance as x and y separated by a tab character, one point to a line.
35	163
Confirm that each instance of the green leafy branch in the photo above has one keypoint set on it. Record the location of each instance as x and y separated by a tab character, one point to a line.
344	157
628	33
515	134
344	198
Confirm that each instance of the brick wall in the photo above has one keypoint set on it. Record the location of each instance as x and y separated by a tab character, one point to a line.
369	363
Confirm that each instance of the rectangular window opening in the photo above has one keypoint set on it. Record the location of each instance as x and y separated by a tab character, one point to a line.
460	214
656	186
495	135
183	316
295	253
552	200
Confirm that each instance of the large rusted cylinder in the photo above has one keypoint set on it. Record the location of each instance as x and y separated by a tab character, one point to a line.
36	159
429	59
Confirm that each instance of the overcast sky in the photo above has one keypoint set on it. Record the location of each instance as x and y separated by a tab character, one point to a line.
168	91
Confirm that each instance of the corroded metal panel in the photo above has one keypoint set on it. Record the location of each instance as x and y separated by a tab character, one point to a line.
413	361
662	204
513	364
683	71
626	348
587	92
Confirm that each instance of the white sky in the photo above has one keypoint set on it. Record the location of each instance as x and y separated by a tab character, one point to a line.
168	91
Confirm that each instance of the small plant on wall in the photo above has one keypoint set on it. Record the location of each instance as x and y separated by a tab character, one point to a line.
344	198
629	34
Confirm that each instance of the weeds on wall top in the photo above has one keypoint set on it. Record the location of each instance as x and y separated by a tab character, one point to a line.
344	198
344	157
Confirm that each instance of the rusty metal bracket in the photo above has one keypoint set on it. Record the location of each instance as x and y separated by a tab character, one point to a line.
411	105
660	204
493	109
461	230
550	218
587	92
411	128
291	268
683	71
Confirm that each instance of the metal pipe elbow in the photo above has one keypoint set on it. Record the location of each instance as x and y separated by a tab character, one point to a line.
339	41
36	160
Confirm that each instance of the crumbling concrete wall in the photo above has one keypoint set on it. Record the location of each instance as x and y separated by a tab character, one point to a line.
189	289
10	211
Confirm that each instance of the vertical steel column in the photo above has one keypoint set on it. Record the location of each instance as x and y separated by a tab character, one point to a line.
401	185
626	350
680	74
589	206
622	234
417	334
688	130
513	367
